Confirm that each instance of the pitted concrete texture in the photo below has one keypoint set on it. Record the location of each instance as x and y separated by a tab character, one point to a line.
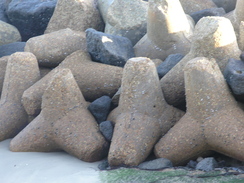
237	19
64	123
214	37
94	80
213	121
58	45
3	65
165	35
8	33
237	15
22	71
103	6
143	115
128	19
241	36
191	6
76	15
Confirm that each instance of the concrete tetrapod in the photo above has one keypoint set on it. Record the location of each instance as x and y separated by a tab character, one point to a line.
237	15
94	80
22	71
214	37
168	31
127	18
76	15
64	123
145	116
237	19
213	120
58	45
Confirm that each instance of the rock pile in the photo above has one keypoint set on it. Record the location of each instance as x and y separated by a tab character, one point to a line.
58	89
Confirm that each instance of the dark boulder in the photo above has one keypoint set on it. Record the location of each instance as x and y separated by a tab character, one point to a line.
30	16
108	49
234	76
168	64
100	108
207	12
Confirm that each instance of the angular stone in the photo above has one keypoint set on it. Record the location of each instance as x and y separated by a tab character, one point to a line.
145	116
100	108
30	17
207	164
107	129
214	37
8	33
128	19
103	165
156	164
191	164
22	71
64	123
191	6
8	49
168	64
165	35
76	15
213	121
94	80
228	5
234	75
108	49
207	12
58	45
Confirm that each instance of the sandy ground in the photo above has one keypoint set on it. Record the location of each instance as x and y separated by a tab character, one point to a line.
35	167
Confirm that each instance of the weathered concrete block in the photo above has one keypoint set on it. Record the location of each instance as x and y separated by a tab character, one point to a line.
236	16
94	80
128	19
8	33
76	15
51	49
3	65
214	37
191	6
145	115
103	6
64	123
213	120
22	71
165	35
